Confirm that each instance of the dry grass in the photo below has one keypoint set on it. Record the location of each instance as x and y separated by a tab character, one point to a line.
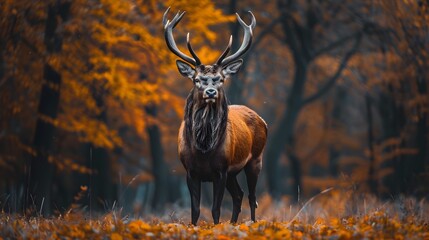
331	215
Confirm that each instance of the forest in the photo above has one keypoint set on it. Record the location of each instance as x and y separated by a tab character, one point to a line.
91	103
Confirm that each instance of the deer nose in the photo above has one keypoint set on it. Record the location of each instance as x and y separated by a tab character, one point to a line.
211	93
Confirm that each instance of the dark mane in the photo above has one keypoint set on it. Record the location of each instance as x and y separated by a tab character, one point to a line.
205	124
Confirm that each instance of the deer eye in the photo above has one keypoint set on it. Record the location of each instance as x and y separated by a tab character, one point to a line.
204	79
215	79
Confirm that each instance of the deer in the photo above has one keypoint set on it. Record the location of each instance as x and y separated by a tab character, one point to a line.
216	140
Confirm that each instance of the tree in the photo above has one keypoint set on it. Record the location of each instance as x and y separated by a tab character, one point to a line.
404	95
40	172
302	35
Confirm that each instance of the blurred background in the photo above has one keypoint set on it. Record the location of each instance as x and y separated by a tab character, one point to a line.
91	99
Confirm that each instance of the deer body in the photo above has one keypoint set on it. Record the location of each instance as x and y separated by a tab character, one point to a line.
217	141
244	141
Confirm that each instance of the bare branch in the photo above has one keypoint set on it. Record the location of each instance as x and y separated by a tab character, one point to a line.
291	40
339	42
267	29
331	81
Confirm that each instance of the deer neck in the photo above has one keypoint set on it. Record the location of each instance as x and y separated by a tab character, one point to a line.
205	123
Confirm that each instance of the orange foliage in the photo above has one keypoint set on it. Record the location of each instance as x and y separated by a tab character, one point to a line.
113	63
376	224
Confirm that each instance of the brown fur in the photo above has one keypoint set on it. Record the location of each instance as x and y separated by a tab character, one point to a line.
245	138
205	69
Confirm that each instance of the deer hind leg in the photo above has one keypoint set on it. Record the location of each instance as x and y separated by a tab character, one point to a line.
237	196
252	170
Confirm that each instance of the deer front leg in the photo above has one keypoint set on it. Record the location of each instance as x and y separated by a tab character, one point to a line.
219	184
194	186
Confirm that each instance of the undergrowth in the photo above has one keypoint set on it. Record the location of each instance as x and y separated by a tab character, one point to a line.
331	215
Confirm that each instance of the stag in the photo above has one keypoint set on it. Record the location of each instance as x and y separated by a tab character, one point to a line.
217	141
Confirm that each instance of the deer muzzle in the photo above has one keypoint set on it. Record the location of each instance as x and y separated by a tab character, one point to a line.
210	95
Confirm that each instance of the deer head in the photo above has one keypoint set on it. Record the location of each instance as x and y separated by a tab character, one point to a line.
208	79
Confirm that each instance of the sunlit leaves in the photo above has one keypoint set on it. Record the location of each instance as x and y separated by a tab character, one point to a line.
113	63
200	15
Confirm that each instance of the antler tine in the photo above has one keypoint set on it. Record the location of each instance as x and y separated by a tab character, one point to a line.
225	52
177	18
253	24
169	39
197	60
164	18
247	40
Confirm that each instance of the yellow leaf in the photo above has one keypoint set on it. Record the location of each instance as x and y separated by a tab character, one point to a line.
243	227
115	236
223	237
282	234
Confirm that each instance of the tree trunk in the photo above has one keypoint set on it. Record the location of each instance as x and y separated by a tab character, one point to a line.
159	168
334	153
103	188
40	172
372	183
417	164
392	122
236	86
296	171
422	158
283	136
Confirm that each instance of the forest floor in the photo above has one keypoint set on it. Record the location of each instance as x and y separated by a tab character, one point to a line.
334	216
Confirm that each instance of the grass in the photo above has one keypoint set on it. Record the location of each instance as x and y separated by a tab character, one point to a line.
329	215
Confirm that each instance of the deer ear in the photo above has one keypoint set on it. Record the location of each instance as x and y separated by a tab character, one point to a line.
185	69
232	68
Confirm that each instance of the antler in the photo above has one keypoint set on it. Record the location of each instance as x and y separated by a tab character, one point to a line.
245	45
169	39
